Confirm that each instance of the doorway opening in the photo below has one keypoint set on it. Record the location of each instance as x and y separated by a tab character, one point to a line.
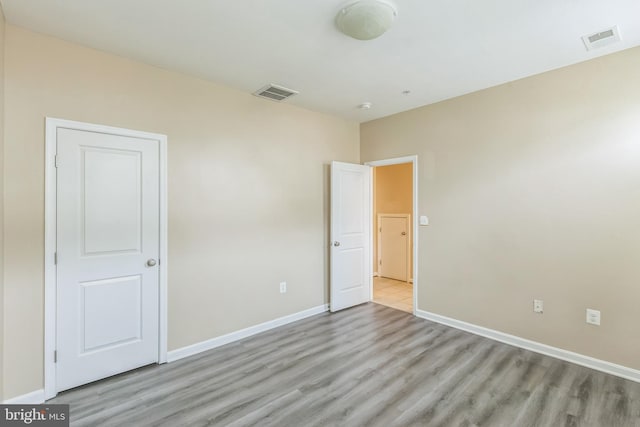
393	211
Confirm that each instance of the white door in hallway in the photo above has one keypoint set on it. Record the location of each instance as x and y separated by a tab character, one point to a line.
394	246
107	230
350	235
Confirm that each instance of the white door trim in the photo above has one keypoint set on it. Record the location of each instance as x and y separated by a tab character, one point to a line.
52	124
408	218
414	237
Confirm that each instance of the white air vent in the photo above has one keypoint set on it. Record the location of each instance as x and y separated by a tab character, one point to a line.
275	93
601	38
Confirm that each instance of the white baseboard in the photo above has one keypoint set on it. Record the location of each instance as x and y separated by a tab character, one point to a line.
33	398
193	349
375	274
558	353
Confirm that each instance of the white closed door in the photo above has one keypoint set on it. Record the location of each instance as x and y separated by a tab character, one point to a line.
393	246
350	235
107	255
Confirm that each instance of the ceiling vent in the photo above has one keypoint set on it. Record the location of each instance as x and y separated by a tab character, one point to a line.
275	93
601	38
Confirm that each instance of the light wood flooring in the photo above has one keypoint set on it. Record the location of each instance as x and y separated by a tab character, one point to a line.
393	293
369	365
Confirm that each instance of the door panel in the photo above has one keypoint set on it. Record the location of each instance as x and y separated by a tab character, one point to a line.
393	250
108	226
350	235
97	299
107	229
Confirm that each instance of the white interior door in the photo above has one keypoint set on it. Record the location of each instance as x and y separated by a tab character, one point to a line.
350	235
107	254
393	246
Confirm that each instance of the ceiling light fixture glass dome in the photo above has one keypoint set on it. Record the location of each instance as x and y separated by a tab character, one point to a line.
366	19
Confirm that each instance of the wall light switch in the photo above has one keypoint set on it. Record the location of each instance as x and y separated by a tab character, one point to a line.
593	317
424	220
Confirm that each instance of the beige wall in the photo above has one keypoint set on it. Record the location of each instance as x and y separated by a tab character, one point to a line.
248	191
393	195
533	191
2	24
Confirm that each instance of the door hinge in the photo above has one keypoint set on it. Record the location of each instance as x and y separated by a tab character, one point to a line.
55	356
55	258
380	262
55	160
381	229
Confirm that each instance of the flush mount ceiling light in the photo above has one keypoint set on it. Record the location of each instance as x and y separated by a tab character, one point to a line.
366	19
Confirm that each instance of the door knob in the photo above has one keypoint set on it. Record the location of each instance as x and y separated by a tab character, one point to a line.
403	233
151	262
336	243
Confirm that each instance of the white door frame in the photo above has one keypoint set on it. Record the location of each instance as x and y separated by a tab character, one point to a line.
52	124
414	237
409	239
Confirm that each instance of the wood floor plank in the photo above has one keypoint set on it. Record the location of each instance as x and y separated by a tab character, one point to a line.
369	365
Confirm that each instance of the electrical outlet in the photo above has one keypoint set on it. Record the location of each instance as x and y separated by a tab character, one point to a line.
538	306
283	287
593	317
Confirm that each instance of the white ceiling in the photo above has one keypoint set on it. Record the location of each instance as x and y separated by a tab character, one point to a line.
437	49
